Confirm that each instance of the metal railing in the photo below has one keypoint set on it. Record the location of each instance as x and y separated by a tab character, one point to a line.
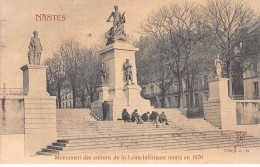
12	91
242	97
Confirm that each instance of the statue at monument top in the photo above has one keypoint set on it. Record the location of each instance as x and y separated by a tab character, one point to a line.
35	50
218	65
116	32
128	72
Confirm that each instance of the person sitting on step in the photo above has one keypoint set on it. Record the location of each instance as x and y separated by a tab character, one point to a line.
126	115
136	118
145	116
163	118
154	117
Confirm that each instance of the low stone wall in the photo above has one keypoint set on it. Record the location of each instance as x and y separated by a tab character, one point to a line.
12	115
238	115
248	112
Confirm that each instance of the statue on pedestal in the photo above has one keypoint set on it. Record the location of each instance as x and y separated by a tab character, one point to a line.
128	72
104	72
218	64
116	32
31	55
35	50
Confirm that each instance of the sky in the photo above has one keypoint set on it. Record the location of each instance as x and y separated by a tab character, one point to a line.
85	22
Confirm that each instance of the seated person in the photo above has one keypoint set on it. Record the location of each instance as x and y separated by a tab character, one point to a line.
163	118
125	115
154	117
145	116
136	118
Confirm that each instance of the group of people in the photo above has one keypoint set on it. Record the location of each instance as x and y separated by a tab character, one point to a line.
154	117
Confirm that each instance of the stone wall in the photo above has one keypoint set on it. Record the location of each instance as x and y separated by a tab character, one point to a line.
12	115
248	113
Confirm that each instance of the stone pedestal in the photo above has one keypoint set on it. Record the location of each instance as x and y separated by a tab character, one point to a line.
115	91
218	89
34	80
218	109
40	110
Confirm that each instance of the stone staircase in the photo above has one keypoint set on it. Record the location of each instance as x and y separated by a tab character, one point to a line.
78	132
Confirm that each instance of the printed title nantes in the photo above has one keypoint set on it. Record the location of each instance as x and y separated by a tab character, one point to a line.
49	17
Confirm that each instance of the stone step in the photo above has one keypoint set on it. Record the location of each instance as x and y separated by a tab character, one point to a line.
128	126
131	142
79	132
191	146
68	136
50	150
131	126
207	144
100	123
92	135
176	135
210	146
44	153
162	139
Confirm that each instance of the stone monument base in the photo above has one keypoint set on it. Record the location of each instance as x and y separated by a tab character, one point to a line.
40	123
39	108
129	99
114	90
217	108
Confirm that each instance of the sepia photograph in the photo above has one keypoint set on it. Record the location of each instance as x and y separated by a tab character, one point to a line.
129	82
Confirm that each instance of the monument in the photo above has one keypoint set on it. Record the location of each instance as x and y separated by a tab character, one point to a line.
119	87
116	32
218	65
35	50
219	102
39	106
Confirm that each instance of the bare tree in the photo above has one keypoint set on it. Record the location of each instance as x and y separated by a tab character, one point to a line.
55	76
90	72
200	61
72	56
176	28
230	22
153	66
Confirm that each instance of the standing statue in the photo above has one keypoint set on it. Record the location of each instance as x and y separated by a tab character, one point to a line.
35	50
218	64
104	72
31	55
116	32
128	72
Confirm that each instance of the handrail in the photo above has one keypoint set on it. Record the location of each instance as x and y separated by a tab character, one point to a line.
11	91
242	97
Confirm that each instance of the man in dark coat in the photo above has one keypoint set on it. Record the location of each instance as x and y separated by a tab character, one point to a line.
163	118
154	117
125	116
105	108
145	116
136	118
